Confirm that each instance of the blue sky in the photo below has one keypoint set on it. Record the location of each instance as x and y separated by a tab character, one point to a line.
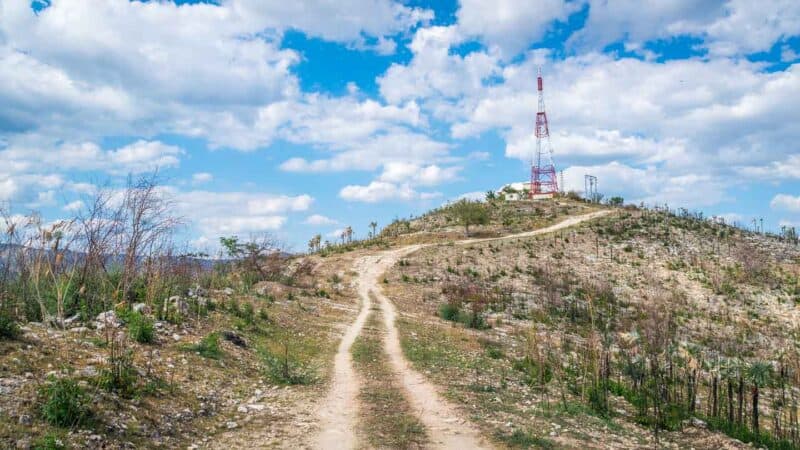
298	118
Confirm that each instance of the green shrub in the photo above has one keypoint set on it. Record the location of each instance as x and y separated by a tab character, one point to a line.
598	400
494	352
48	442
208	347
64	403
453	313
525	439
533	372
8	326
285	369
248	313
121	377
449	311
743	433
472	320
141	328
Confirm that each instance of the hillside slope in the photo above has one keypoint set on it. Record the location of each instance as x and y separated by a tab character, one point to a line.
638	326
556	324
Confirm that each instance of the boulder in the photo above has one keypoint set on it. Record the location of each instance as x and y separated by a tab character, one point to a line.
142	308
197	291
70	320
227	291
89	372
697	423
272	289
107	319
234	339
176	305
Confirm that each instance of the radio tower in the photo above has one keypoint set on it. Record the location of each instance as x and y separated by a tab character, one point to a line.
543	171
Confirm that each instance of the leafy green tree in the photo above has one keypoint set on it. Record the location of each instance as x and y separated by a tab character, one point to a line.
257	258
470	213
616	201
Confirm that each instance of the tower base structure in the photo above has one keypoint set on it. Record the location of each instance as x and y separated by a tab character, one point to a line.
543	181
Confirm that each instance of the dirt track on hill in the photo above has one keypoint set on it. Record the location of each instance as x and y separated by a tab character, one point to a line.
338	415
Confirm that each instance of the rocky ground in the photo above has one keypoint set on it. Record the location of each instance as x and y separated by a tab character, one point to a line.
181	398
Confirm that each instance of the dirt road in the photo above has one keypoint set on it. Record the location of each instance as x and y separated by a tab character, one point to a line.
338	414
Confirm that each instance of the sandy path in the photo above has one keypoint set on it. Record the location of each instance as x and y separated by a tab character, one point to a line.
444	427
338	414
560	225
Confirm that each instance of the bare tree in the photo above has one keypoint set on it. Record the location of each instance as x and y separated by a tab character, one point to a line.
347	235
99	225
314	243
148	219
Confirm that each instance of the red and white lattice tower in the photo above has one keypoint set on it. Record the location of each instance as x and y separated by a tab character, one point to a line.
543	171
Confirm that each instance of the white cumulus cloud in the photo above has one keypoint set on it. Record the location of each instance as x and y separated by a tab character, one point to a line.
318	219
785	202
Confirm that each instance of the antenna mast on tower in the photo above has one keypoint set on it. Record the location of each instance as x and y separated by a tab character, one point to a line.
543	171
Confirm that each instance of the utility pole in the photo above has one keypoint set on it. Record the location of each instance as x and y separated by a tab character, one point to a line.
590	188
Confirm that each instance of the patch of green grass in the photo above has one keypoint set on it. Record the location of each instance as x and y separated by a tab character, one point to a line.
453	313
49	441
8	326
121	377
745	434
449	311
141	328
287	368
493	349
495	352
208	347
248	313
534	372
431	349
388	421
64	403
366	351
525	439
